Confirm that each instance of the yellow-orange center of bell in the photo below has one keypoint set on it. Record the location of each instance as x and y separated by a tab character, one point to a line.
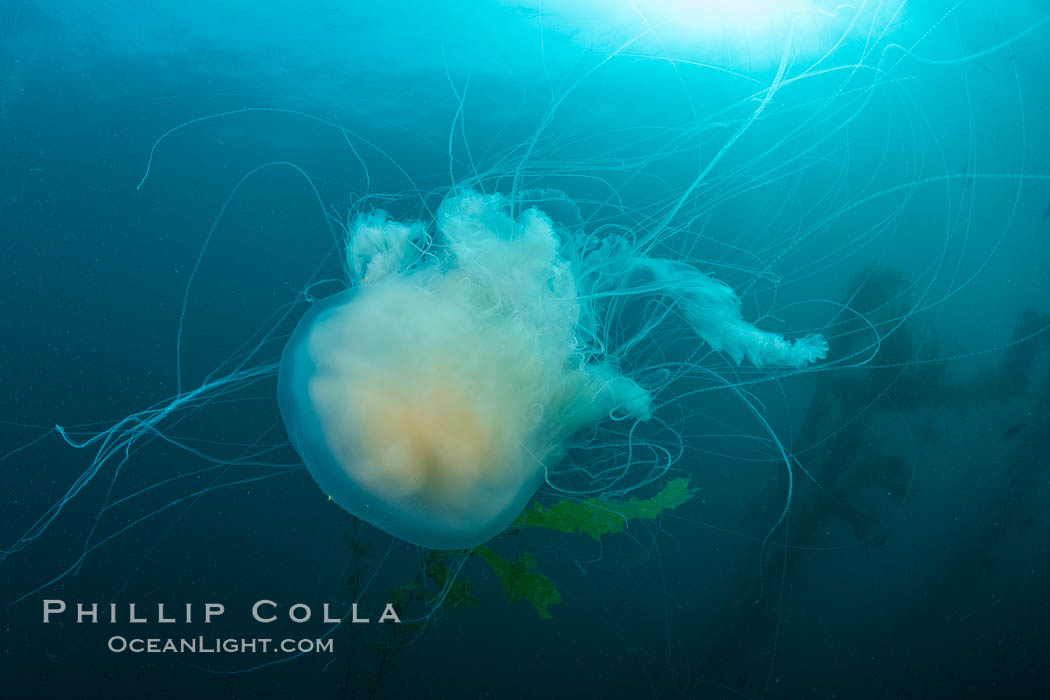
432	440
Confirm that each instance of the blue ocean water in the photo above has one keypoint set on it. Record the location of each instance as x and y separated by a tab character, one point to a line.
177	176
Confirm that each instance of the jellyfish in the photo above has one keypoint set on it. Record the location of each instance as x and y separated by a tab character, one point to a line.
435	394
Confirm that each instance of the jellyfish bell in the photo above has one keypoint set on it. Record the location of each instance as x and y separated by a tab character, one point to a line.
432	397
427	401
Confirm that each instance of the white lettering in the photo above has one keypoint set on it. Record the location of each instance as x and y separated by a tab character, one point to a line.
300	606
83	612
389	614
259	604
213	610
53	607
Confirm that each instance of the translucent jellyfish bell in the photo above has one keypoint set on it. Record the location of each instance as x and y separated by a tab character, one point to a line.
430	398
374	396
427	401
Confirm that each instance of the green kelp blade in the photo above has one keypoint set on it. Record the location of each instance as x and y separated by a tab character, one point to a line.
598	516
458	593
452	594
520	579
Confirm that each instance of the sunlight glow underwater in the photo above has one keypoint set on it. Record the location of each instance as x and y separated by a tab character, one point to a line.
432	397
743	32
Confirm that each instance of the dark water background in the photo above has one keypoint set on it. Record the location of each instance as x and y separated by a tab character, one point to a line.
917	564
